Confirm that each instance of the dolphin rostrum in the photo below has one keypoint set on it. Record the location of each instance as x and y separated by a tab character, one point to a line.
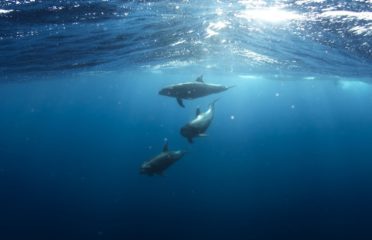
200	124
192	90
162	161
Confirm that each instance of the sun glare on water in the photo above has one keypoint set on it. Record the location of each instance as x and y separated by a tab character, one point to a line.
270	15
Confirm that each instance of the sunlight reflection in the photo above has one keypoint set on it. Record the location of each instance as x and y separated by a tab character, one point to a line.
256	56
352	85
214	28
271	15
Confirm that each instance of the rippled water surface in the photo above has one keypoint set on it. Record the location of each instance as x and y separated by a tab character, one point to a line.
332	37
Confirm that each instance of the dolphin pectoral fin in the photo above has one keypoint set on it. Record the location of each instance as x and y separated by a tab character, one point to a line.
180	102
190	140
200	79
203	135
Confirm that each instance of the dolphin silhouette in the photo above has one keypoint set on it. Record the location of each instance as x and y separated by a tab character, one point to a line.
192	90
199	125
161	162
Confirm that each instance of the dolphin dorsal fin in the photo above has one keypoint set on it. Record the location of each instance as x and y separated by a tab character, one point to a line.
200	79
165	147
197	111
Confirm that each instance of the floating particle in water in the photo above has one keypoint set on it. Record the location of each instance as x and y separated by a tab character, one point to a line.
293	106
165	139
277	94
232	117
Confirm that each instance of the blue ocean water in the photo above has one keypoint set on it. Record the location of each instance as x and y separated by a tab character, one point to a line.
287	156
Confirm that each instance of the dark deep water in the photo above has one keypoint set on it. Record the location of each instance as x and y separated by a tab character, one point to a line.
287	156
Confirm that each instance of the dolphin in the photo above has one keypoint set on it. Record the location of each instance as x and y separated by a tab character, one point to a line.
162	161
200	124
192	90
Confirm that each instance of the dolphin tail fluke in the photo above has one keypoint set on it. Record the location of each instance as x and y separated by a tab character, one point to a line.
214	101
180	102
